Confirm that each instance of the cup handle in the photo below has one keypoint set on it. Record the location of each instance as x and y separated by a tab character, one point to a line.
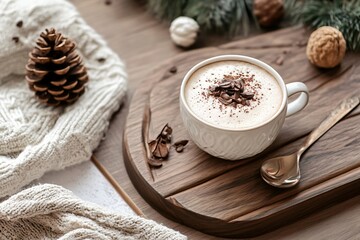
300	102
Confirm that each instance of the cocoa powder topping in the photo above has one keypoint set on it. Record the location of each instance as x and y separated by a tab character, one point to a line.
232	90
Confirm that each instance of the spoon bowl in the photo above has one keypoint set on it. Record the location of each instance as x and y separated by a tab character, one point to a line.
284	171
281	171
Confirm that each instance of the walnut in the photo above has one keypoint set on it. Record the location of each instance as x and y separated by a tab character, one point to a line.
268	12
326	47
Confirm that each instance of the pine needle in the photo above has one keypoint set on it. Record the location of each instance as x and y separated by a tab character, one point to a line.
229	16
343	15
167	9
235	16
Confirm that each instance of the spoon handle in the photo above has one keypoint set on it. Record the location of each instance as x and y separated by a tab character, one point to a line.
338	113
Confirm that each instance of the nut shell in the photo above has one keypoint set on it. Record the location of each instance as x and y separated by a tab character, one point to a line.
326	47
268	12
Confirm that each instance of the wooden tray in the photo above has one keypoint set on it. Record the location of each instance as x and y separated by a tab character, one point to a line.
229	199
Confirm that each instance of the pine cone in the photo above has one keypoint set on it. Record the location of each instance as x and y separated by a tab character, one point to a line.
55	71
268	13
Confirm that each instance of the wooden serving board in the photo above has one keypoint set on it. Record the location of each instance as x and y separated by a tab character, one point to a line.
229	199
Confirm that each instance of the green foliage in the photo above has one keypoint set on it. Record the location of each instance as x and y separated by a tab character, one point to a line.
341	14
211	14
167	9
235	16
243	17
231	16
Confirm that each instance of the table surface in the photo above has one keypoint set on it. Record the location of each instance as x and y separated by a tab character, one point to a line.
92	186
143	42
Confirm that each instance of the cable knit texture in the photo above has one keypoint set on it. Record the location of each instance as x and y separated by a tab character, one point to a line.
58	214
36	138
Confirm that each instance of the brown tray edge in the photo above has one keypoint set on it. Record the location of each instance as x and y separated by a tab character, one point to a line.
244	228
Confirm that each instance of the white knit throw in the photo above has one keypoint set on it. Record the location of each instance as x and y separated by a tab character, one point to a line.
35	138
57	214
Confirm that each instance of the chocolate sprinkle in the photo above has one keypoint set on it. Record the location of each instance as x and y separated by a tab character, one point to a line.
180	145
15	39
232	91
247	95
280	60
101	60
161	145
158	149
19	24
173	70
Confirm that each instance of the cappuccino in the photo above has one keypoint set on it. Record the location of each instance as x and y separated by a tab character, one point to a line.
233	94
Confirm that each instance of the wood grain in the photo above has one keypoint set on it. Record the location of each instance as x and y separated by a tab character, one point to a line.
194	185
143	43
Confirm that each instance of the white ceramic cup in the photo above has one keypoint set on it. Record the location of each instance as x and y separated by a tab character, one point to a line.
235	144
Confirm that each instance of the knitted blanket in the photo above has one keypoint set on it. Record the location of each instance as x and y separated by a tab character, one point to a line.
35	138
57	214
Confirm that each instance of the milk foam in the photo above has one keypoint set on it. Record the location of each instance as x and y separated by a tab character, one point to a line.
267	99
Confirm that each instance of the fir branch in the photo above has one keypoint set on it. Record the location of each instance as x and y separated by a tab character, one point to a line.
167	9
343	15
211	15
242	17
231	16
